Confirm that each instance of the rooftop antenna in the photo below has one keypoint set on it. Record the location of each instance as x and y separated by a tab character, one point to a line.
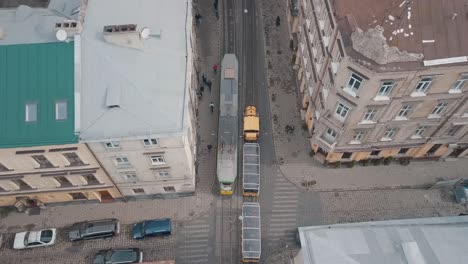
61	35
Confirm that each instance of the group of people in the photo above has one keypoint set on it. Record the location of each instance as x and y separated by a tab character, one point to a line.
208	83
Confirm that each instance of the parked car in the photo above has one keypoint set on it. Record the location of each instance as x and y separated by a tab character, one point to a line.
156	227
32	239
114	256
94	229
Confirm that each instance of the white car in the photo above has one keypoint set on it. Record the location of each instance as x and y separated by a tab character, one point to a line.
32	239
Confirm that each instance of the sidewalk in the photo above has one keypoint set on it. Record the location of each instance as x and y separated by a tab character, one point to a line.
292	150
180	208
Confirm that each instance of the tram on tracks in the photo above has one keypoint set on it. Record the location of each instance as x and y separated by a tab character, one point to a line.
228	134
251	169
251	232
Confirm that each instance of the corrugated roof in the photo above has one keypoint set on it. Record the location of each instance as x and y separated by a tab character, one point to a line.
423	240
150	73
40	73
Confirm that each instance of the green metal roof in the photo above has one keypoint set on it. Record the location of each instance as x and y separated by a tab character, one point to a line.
41	73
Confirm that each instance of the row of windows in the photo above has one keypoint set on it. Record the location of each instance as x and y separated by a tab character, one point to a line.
150	142
31	111
355	82
131	176
63	181
342	110
122	160
44	163
330	134
142	190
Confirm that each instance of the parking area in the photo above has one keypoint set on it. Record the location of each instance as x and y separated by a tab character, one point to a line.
83	251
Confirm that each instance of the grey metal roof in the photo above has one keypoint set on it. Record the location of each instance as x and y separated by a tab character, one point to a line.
251	231
228	121
26	25
424	240
251	164
132	92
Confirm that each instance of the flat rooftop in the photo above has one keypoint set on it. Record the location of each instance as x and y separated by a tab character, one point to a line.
423	240
434	28
129	92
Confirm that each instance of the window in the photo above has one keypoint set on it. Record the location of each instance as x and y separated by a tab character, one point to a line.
346	155
61	110
78	196
43	161
423	85
164	174
169	189
359	135
122	160
370	114
150	142
112	144
130	176
31	112
403	150
139	191
405	110
354	82
341	111
375	153
385	88
90	179
73	158
329	136
22	184
64	182
460	83
452	131
439	109
390	132
157	160
433	149
419	132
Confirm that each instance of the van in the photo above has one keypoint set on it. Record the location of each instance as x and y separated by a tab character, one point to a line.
156	227
94	229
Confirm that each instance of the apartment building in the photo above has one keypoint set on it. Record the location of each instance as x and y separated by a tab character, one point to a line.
382	80
137	94
41	159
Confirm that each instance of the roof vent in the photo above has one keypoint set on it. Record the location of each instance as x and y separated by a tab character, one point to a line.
125	35
113	97
66	29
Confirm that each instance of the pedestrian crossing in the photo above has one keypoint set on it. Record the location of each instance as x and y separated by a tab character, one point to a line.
193	243
282	225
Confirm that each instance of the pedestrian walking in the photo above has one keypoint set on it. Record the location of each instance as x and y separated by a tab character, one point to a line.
199	95
209	83
202	88
211	107
215	68
209	147
204	78
216	5
278	21
198	18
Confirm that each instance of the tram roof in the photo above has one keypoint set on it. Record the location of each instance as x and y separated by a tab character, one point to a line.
251	230
251	165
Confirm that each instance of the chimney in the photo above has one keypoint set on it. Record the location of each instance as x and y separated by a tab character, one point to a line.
123	35
67	29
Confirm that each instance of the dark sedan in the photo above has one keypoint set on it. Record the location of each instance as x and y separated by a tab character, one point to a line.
156	227
114	256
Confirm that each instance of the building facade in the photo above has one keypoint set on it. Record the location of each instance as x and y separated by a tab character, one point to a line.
380	88
138	112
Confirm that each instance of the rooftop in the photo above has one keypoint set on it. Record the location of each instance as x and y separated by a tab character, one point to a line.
425	29
424	240
26	25
40	75
133	86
